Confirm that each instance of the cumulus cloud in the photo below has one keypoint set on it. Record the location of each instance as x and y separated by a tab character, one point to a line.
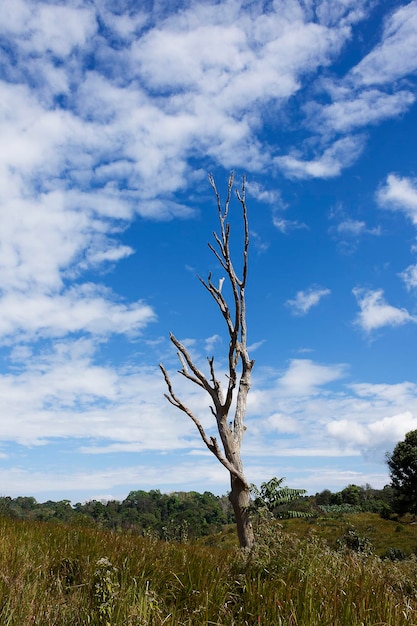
409	276
353	419
85	149
351	109
371	92
48	28
304	377
375	434
119	479
28	316
63	392
110	254
399	193
281	423
339	155
305	300
396	55
376	313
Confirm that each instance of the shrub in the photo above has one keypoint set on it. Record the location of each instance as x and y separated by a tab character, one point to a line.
394	554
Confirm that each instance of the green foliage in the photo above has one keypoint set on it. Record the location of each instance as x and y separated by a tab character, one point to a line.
386	511
383	534
182	515
352	495
106	590
338	509
402	464
356	498
353	540
394	554
275	498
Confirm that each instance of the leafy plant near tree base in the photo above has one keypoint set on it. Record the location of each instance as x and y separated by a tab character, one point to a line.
274	497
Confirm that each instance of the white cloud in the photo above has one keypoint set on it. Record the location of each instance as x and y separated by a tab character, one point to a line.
400	193
64	393
281	423
352	110
305	300
355	228
396	55
356	417
85	308
124	25
304	377
398	394
258	242
376	313
200	50
409	276
111	254
341	11
269	196
254	346
375	434
205	65
48	28
183	476
352	420
367	94
338	156
211	342
285	226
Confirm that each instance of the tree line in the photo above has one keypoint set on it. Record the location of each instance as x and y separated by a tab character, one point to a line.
175	516
188	515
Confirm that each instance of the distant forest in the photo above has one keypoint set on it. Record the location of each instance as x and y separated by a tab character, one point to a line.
184	515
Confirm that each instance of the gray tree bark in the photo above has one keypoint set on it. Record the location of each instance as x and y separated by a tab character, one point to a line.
231	432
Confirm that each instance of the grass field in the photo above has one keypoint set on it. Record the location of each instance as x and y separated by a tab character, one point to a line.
59	575
382	534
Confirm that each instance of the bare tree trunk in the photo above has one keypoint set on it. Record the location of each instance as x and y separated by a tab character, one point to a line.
239	369
240	499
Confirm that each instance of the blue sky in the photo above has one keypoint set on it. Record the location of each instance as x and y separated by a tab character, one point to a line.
111	116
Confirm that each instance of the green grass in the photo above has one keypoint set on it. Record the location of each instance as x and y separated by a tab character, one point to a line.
53	575
383	534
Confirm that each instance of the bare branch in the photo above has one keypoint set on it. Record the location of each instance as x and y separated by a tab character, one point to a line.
216	383
186	360
217	255
220	300
211	442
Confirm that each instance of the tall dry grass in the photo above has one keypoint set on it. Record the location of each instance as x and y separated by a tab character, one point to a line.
53	575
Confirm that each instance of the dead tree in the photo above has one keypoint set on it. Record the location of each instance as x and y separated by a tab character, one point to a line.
233	397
